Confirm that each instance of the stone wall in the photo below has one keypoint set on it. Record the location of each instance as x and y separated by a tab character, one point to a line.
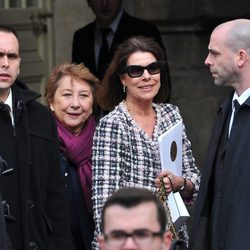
69	16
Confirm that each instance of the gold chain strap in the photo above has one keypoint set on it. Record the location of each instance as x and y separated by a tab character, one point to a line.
162	194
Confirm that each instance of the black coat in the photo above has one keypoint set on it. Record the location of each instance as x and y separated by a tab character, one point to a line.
4	240
82	222
83	40
34	190
234	219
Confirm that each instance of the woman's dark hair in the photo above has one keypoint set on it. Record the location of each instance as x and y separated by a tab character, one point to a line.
111	93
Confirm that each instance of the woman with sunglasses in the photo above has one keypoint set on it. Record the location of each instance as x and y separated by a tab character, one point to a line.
125	147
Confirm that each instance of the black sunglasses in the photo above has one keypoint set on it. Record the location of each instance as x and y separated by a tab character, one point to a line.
137	70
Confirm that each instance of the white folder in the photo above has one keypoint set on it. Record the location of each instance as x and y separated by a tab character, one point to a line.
170	144
171	149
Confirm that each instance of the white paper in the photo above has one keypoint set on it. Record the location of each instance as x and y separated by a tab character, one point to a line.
171	140
178	210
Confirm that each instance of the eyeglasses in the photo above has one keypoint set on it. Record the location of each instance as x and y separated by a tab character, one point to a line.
137	70
141	237
11	56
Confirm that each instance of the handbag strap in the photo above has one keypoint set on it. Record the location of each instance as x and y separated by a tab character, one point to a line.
162	195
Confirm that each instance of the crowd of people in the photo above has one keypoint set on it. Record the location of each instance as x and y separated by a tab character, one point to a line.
72	177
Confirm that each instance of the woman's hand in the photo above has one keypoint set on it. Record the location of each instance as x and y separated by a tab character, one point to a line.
172	182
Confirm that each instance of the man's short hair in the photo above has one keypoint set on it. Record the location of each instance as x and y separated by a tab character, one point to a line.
131	197
8	29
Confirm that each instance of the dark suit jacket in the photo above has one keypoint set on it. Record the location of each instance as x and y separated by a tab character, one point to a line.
83	40
235	198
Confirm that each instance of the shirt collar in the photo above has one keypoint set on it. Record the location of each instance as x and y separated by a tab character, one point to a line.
243	97
116	21
8	101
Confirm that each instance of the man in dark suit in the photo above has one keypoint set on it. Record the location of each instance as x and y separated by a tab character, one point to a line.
222	214
118	26
31	185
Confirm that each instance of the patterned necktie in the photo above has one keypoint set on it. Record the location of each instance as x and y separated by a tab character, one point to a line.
103	55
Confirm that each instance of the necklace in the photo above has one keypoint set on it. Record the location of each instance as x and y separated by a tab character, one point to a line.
145	122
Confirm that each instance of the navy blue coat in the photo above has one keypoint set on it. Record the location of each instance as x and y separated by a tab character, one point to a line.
82	222
234	219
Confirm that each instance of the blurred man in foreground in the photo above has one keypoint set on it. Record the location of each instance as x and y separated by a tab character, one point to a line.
133	218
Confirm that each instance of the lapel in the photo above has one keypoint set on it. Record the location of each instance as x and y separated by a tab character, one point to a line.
220	124
216	136
121	32
246	103
241	120
22	141
90	49
217	132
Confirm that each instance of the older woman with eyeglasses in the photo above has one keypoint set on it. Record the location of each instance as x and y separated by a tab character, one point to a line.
125	146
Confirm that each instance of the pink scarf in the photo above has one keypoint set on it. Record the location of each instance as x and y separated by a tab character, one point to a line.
78	149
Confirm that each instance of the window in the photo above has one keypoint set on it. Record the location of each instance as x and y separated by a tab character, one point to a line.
10	4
